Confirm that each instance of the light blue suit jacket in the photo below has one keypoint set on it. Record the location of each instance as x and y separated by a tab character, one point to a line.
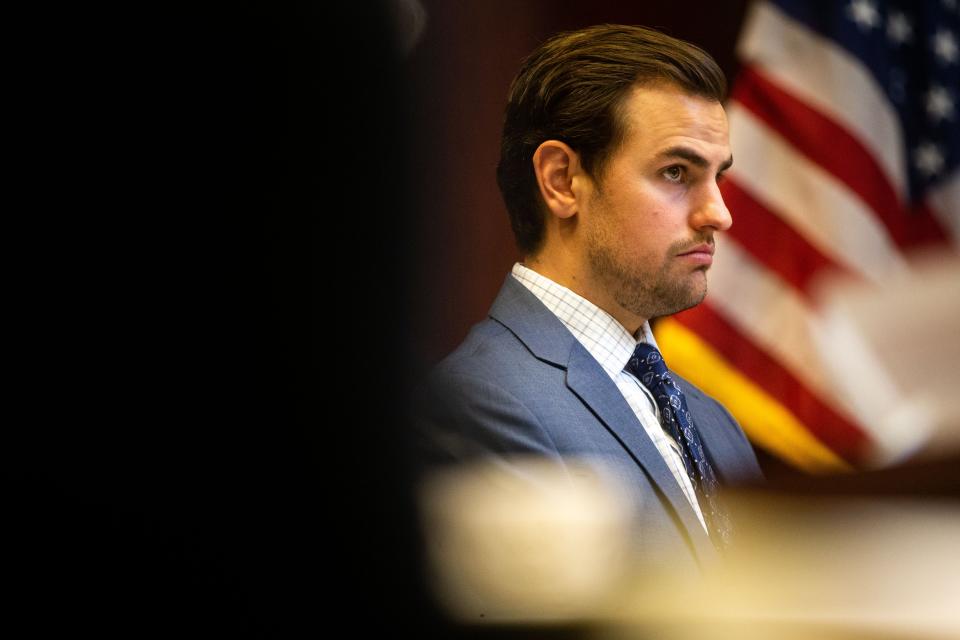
522	383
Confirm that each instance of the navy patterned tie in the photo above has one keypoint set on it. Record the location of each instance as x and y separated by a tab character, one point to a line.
648	366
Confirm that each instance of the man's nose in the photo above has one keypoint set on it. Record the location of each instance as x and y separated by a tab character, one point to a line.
710	210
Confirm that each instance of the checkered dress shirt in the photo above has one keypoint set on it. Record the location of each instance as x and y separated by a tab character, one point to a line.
611	345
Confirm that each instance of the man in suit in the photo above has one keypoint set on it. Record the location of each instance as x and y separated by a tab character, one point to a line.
613	145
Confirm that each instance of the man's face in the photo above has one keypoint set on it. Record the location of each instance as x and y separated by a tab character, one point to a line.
649	219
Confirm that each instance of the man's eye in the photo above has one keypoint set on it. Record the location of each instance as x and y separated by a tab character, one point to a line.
674	173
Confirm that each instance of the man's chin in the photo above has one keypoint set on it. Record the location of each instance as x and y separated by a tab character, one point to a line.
683	300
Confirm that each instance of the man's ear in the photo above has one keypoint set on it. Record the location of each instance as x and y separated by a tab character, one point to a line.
556	165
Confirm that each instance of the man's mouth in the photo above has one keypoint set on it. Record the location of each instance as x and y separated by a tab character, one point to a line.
700	254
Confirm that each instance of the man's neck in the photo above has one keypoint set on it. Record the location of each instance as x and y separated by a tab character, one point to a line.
572	279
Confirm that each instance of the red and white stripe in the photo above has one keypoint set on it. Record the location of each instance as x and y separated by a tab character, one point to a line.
819	184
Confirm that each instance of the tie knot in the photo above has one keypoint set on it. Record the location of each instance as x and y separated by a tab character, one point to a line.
646	362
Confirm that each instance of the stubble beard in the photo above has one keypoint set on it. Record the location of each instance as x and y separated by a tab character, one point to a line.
647	294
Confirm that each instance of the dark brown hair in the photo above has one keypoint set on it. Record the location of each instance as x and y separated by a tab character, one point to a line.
571	89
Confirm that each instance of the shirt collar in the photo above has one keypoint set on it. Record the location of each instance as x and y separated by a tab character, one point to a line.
601	334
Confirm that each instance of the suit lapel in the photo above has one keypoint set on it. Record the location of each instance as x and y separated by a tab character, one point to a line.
548	339
593	386
731	457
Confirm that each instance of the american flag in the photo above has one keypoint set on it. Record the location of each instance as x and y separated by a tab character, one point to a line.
845	130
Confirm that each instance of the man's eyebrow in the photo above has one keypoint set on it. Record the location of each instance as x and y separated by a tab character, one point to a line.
694	158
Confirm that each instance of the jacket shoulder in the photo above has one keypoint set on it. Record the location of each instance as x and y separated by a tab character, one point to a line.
478	400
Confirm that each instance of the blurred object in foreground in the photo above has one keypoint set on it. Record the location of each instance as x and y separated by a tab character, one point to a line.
825	569
525	539
843	124
894	351
533	544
